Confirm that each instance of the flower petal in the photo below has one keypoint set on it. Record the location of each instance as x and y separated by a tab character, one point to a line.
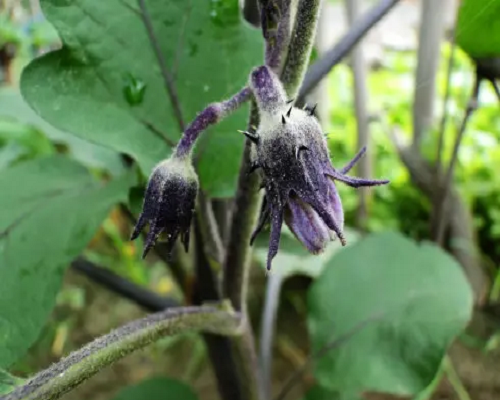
307	225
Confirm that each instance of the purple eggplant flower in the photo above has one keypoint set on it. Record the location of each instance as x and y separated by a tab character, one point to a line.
298	176
169	203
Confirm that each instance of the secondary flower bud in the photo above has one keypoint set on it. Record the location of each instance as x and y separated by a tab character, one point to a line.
169	203
297	172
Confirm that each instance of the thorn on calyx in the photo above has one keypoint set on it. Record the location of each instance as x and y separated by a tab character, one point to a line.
290	101
299	149
283	120
252	136
253	167
289	112
312	110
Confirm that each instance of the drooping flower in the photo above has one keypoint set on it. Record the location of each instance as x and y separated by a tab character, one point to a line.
298	176
169	203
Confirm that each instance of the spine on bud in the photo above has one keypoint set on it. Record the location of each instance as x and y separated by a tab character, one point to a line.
268	90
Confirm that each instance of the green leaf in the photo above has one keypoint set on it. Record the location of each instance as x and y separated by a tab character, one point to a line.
294	259
15	111
84	88
8	382
425	301
478	28
50	210
157	389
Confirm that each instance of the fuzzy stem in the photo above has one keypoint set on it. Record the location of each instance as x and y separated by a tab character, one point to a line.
320	68
301	44
68	373
211	115
274	284
278	40
234	282
236	266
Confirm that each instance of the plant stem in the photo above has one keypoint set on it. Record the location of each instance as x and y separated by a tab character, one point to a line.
236	266
431	34
455	380
278	41
441	214
68	373
235	271
219	348
274	284
359	29
301	44
360	76
141	296
444	119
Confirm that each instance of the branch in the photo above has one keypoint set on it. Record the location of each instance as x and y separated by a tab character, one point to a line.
301	44
359	72
211	115
359	29
432	24
440	213
274	284
143	297
68	373
277	40
461	226
447	95
236	263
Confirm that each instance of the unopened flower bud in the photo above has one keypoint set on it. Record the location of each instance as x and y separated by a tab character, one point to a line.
169	203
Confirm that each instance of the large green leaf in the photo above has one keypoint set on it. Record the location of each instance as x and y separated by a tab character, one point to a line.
157	389
478	28
422	298
293	258
105	85
8	382
49	210
32	133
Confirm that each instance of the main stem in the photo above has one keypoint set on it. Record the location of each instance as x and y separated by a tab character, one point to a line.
236	265
68	373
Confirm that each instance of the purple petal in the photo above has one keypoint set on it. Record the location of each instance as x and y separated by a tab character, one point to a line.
307	226
329	208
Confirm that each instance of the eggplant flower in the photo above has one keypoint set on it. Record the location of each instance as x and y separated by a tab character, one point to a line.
169	203
298	176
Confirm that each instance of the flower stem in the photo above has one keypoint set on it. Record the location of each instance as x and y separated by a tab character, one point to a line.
236	268
68	373
211	115
301	44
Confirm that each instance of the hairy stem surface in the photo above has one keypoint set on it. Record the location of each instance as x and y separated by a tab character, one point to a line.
68	373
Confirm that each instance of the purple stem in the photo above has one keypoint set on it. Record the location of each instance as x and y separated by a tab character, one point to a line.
212	114
277	42
267	89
